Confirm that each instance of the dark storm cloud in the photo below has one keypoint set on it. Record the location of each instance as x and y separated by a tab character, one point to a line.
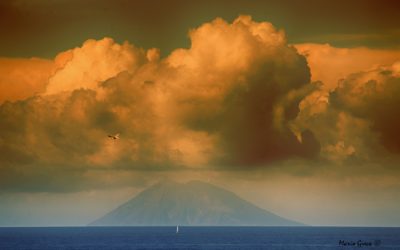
251	129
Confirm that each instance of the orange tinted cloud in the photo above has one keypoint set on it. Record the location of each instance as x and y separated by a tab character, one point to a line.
358	119
374	95
94	62
350	79
240	96
227	100
234	83
23	78
330	64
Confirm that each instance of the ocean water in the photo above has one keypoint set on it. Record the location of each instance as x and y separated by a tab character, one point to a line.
285	238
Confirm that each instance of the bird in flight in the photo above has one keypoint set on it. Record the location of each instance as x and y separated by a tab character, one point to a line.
114	137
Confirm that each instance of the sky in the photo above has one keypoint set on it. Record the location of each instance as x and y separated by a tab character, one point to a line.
293	105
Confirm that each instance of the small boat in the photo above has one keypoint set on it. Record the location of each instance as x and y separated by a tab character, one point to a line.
177	229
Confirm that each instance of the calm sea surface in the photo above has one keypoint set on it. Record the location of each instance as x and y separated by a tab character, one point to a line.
98	238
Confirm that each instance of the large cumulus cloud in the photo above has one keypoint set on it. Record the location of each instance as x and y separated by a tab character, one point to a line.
353	105
239	97
374	95
242	83
227	100
358	118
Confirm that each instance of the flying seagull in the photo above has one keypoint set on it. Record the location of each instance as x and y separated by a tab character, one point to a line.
114	137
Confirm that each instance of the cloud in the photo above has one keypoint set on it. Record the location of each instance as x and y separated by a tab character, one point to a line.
82	67
225	101
351	84
330	64
94	62
23	78
242	83
240	97
357	120
374	95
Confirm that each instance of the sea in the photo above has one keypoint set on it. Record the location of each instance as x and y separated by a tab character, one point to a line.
285	238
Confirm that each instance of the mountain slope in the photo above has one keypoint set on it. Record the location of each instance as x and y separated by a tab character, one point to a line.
194	203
